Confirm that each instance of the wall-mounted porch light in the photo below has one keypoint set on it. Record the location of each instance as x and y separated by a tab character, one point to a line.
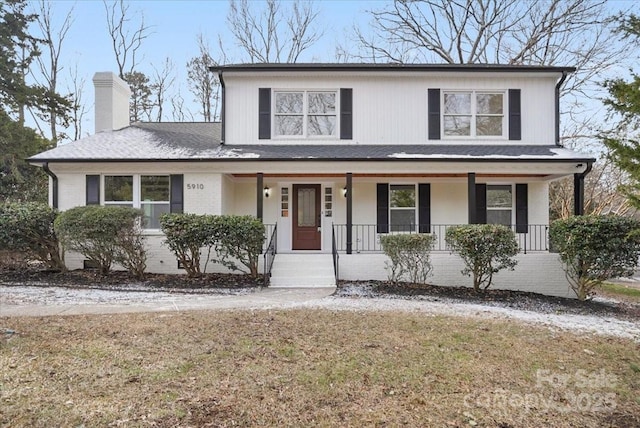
344	191
267	191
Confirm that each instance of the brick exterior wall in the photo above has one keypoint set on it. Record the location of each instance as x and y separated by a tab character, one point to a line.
536	272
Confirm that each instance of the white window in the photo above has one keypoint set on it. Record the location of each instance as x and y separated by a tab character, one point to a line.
118	190
154	199
499	204
473	114
402	207
150	193
305	113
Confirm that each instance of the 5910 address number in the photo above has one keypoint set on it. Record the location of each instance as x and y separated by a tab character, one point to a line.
195	186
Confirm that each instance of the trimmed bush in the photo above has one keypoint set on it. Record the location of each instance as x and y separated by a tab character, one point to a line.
232	239
28	228
240	238
485	250
409	256
595	248
186	235
104	235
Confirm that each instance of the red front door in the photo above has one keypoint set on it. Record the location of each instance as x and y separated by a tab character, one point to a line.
306	217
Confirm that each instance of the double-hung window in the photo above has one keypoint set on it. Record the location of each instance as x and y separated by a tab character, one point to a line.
305	113
473	114
402	207
154	199
118	190
499	204
150	193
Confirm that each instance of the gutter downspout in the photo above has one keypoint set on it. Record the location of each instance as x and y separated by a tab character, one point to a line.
578	190
560	82
222	108
54	182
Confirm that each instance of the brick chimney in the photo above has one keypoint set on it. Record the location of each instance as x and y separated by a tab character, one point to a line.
112	101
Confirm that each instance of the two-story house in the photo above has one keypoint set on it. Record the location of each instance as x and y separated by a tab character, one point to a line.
331	156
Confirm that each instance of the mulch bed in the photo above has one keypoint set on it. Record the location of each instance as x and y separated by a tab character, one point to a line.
502	298
118	280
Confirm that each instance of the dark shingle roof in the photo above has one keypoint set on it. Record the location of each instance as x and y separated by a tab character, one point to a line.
146	142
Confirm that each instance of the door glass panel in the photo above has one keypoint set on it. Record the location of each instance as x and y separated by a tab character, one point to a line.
306	207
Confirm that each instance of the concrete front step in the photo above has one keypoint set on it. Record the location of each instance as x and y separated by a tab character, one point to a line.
302	270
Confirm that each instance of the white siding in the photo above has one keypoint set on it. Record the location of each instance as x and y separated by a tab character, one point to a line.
392	109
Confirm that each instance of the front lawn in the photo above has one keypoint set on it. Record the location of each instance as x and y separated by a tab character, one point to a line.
621	291
310	368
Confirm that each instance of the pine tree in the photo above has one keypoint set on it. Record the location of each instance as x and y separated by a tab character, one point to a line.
624	99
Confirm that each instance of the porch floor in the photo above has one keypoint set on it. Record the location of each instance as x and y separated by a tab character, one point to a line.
302	271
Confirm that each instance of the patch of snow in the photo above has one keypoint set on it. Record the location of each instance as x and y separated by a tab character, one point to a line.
593	324
34	295
361	299
235	153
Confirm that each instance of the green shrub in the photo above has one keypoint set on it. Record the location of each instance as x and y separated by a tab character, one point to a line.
232	239
185	235
409	256
485	250
595	248
240	239
28	228
104	235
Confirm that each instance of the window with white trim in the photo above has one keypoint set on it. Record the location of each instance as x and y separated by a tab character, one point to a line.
402	207
500	204
305	113
473	114
150	193
154	199
118	190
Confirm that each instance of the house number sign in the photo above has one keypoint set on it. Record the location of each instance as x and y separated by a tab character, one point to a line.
195	186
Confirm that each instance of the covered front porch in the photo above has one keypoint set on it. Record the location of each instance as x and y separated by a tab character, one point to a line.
348	212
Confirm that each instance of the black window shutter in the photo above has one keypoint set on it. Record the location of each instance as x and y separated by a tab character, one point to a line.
433	106
382	217
93	190
346	113
176	204
481	203
522	208
424	207
264	113
515	117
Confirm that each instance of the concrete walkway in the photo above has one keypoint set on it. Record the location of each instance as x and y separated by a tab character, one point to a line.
47	301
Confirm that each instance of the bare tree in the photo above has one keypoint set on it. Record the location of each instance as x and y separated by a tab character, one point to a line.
555	32
78	109
162	79
126	42
179	112
273	34
49	62
601	195
203	83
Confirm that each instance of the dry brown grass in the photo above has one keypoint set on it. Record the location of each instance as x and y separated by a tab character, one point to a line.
307	368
